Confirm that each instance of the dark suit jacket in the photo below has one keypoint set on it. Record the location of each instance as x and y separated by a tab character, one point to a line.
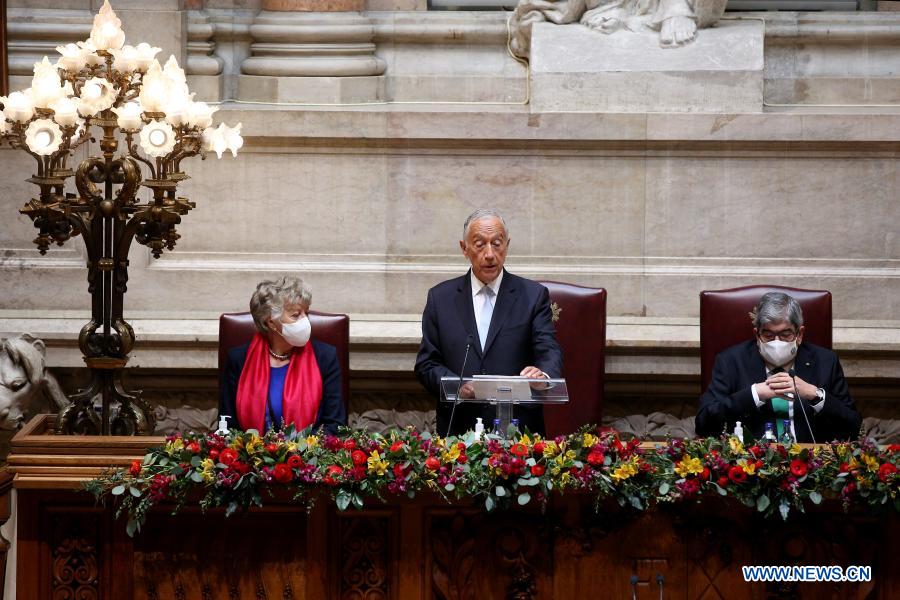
331	409
521	334
728	397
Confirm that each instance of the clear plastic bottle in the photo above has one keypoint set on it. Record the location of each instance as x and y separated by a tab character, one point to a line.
786	437
769	435
495	430
514	425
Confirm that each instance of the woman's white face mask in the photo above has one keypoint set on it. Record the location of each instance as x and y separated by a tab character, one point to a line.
777	352
296	334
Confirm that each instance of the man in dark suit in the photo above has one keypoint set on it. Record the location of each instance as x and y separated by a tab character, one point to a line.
507	318
751	381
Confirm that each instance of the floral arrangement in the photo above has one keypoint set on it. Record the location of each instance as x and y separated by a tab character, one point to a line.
234	470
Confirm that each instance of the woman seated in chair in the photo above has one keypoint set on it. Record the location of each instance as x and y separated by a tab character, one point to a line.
282	376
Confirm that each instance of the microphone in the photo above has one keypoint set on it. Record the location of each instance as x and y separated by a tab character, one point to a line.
469	341
659	581
634	582
799	401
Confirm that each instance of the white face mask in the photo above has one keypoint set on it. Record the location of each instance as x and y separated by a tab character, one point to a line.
297	333
777	352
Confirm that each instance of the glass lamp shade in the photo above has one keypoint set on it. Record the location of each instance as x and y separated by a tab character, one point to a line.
72	57
46	85
157	139
107	33
43	137
97	95
18	106
125	58
65	111
145	55
154	89
129	116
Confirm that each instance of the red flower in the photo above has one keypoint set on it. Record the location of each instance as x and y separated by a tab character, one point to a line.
737	474
350	444
885	471
432	463
798	467
228	456
723	481
359	473
781	451
272	448
519	450
332	475
595	458
844	468
135	469
282	473
893	448
705	474
294	461
462	459
537	470
538	448
241	467
397	446
461	446
401	471
759	464
194	448
359	457
756	451
214	454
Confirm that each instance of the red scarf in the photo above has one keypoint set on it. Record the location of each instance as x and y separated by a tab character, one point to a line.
302	387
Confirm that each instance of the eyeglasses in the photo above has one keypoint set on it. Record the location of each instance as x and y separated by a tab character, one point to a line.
788	335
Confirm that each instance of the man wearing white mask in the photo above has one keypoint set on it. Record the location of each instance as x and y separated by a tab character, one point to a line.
282	376
752	382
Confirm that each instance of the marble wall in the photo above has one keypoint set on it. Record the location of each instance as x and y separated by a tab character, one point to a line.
367	200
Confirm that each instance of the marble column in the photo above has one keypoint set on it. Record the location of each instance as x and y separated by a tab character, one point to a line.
204	68
316	51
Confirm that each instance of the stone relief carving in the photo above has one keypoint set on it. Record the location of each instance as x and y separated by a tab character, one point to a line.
26	387
677	21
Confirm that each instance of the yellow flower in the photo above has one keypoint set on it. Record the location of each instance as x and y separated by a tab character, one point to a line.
748	466
525	440
626	470
736	446
376	464
292	446
174	446
255	444
588	440
450	455
312	441
208	467
570	454
564	478
871	462
689	466
853	464
550	449
795	449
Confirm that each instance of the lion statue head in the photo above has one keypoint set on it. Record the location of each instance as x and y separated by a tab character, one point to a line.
26	387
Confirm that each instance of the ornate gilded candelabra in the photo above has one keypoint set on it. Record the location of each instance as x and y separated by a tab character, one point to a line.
121	90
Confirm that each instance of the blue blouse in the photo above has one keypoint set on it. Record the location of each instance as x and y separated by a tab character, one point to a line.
275	407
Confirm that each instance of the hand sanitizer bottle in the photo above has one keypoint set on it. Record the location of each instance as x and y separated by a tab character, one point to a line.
479	427
739	431
223	424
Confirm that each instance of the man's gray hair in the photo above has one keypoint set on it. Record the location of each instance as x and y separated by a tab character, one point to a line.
270	297
775	307
484	213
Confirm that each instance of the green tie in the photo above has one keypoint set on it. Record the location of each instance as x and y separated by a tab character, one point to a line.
781	407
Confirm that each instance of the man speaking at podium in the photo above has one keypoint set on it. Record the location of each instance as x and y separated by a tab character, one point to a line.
502	320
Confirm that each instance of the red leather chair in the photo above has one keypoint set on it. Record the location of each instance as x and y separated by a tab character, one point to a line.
238	328
581	332
725	321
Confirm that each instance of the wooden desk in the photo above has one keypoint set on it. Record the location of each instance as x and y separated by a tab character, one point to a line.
422	548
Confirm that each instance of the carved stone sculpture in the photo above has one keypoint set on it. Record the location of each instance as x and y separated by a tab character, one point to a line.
676	20
26	387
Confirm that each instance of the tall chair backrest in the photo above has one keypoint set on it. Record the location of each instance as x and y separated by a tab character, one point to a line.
238	328
581	332
725	320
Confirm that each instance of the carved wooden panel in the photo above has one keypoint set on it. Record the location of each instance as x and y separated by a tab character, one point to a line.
365	557
193	556
74	556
